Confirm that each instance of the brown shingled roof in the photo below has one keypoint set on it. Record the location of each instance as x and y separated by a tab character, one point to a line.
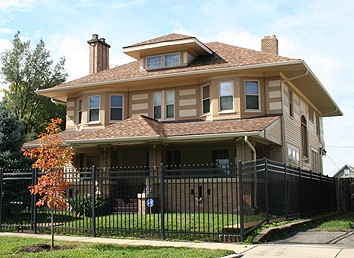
165	38
224	56
142	126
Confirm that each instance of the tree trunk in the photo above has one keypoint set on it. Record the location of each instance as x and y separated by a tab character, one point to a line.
52	228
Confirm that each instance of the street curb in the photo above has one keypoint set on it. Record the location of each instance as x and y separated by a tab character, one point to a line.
268	232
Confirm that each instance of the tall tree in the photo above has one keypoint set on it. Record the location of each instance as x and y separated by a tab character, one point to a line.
11	140
27	70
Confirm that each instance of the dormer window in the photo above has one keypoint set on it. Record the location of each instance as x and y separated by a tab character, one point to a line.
163	61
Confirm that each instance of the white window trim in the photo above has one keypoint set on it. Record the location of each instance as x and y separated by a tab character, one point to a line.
99	109
202	90
163	105
110	106
227	111
259	96
296	150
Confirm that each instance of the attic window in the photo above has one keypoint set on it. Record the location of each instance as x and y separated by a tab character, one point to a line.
161	61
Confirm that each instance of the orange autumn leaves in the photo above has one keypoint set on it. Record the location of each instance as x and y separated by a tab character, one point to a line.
50	160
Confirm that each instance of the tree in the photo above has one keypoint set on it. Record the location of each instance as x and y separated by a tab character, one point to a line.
51	160
27	70
11	140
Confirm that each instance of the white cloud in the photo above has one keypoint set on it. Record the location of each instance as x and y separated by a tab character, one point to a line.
23	5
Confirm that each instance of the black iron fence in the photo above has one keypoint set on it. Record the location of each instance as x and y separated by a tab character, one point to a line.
194	202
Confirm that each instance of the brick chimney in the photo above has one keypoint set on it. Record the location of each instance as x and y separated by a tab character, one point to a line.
270	45
99	54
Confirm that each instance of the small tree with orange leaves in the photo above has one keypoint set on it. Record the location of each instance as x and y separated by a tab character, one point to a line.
51	159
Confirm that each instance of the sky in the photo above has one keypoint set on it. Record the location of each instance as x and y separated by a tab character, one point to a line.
317	31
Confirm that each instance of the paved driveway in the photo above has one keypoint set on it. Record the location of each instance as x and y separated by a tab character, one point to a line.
334	239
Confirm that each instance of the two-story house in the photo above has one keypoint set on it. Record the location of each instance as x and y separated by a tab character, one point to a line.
187	102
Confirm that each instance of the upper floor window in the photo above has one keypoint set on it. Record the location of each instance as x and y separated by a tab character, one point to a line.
160	61
164	105
94	108
226	96
291	103
304	139
116	112
79	111
153	62
206	99
171	60
293	155
252	95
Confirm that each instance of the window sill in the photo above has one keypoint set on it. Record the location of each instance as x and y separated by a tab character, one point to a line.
114	121
94	123
205	114
227	112
253	111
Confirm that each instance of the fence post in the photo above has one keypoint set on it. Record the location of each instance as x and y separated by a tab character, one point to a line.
266	187
93	192
34	201
286	191
1	183
162	212
242	222
300	194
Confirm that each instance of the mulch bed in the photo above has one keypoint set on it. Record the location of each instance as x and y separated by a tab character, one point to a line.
36	248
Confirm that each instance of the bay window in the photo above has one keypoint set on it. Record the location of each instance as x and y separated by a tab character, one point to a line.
252	95
94	109
116	109
226	96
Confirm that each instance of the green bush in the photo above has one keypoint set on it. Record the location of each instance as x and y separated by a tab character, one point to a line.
81	205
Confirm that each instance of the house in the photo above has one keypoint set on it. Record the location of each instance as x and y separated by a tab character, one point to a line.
183	101
345	172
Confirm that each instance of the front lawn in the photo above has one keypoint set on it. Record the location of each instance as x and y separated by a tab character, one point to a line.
11	246
343	222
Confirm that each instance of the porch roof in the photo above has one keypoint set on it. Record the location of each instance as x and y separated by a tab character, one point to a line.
144	129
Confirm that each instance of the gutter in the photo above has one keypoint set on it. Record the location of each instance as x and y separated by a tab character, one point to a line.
57	101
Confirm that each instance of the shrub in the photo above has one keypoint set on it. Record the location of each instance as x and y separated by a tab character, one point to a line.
81	204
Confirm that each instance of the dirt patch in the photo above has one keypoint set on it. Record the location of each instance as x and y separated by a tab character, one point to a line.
37	248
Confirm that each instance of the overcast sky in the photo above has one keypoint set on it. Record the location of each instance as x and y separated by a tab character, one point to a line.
319	32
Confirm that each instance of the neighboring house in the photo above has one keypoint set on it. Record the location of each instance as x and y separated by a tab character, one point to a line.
187	102
345	172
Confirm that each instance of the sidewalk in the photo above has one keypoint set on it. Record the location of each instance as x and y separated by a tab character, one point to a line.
247	251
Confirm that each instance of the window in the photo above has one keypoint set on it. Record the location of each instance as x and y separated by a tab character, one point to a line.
304	140
94	108
346	172
226	96
291	103
170	104
153	62
318	125
221	160
252	95
80	112
171	60
157	105
293	155
311	114
116	107
206	99
316	161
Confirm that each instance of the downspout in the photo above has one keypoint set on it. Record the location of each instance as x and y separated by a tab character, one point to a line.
254	156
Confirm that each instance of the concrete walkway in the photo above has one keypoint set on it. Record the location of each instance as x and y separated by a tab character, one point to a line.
247	251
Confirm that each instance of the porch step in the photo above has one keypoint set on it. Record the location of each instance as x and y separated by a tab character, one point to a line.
229	238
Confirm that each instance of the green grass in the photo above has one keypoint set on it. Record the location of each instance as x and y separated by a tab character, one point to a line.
10	247
343	222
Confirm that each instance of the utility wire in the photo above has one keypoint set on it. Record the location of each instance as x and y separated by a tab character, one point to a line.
333	162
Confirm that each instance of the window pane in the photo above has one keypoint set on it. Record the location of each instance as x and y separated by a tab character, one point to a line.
95	102
226	103
206	106
157	112
172	60
116	113
94	113
252	102
157	99
170	111
170	97
226	89
206	92
153	62
116	101
251	88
